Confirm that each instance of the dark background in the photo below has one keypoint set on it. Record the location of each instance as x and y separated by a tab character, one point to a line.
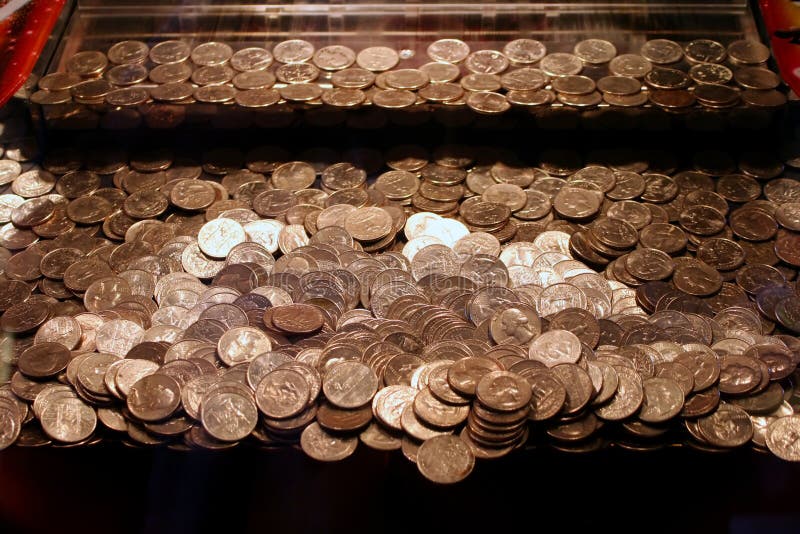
111	488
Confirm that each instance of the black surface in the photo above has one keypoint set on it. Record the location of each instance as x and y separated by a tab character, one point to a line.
112	488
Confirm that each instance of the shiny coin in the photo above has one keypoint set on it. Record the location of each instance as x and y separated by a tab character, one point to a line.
595	51
325	447
216	238
377	58
524	51
448	50
350	384
503	391
561	64
445	459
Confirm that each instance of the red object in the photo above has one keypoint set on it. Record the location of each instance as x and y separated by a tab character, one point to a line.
22	38
782	19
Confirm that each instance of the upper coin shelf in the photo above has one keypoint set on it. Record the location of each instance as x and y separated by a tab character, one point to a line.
328	92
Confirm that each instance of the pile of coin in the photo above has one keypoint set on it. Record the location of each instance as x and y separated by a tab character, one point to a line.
454	304
661	73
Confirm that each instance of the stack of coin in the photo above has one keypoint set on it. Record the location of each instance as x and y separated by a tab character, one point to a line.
499	415
661	73
639	300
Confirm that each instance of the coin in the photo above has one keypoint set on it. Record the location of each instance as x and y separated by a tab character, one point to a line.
128	52
448	50
782	438
389	403
251	59
486	62
627	399
488	103
729	426
518	325
445	459
663	400
632	65
756	78
334	57
228	416
710	73
503	391
298	318
561	64
377	58
211	53
705	51
68	419
325	447
169	52
43	360
369	224
595	51
282	393
555	347
350	384
662	51
154	397
748	52
216	238
242	344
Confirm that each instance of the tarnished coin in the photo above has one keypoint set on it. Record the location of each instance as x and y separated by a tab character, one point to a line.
705	51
